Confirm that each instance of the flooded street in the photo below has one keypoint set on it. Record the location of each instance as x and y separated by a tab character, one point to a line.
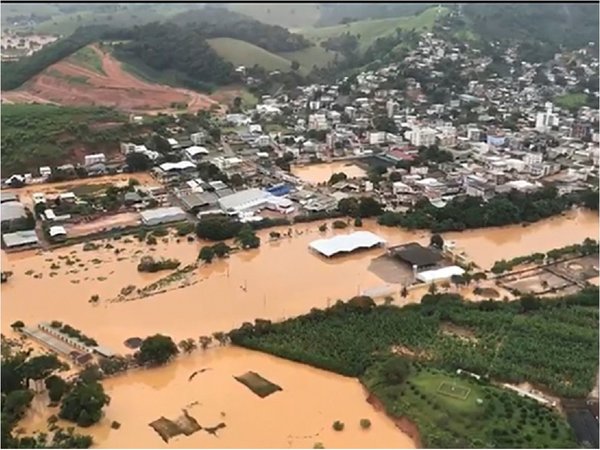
320	173
281	279
299	416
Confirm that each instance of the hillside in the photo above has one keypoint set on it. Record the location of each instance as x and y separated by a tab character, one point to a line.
289	15
38	135
368	31
92	77
241	53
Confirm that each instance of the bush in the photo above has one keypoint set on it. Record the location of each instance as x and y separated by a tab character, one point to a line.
338	426
149	264
339	224
160	232
151	240
184	229
365	424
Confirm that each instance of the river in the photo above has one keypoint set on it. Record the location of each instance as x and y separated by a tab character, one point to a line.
281	279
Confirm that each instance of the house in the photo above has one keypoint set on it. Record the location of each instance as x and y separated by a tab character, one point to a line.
195	152
19	239
45	171
57	233
198	138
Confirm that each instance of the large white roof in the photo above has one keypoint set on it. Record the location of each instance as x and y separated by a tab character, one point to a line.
346	243
439	274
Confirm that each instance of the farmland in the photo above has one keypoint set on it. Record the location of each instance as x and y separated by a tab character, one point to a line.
242	53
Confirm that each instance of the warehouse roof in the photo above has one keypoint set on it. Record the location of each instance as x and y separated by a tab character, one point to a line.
159	213
346	243
415	254
12	210
181	165
27	237
245	198
440	274
8	197
197	199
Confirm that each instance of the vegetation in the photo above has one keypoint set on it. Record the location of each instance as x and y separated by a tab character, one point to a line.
38	135
363	207
17	368
554	346
156	350
149	264
459	412
571	101
339	224
365	424
84	403
73	333
87	57
470	212
338	426
220	250
587	247
247	238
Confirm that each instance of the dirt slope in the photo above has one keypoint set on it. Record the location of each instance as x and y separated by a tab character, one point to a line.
67	83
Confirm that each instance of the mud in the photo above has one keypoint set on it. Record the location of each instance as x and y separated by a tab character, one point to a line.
320	173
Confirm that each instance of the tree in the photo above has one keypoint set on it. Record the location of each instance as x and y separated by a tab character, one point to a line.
221	249
204	341
56	386
138	162
18	325
220	337
369	207
246	238
338	426
529	303
187	345
39	367
365	424
358	222
337	177
236	180
395	370
457	280
157	350
295	65
206	254
404	292
436	241
84	404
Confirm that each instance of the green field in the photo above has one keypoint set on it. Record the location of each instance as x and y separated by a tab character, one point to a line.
571	101
370	30
310	56
242	53
88	58
487	417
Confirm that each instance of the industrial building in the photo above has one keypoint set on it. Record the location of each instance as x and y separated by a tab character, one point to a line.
162	215
346	243
244	200
416	255
11	212
19	239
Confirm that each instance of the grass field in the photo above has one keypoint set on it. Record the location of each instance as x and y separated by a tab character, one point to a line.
482	415
242	53
571	101
310	56
88	58
370	30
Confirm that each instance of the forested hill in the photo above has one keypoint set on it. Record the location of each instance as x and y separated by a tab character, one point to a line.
214	22
181	51
553	25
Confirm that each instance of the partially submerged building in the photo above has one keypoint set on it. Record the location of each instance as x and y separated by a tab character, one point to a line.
159	216
346	243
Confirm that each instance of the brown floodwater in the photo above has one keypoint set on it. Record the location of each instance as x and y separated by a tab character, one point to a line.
320	173
281	279
299	416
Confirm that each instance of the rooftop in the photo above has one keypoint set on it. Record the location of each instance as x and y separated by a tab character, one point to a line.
346	243
12	210
18	238
415	254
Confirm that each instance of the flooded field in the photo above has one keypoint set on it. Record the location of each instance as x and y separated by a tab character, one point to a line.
299	416
284	279
320	173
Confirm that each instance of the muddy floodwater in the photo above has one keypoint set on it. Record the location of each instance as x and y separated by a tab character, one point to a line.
298	416
281	279
320	173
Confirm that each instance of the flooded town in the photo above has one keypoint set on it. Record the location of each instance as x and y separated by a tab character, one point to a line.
387	260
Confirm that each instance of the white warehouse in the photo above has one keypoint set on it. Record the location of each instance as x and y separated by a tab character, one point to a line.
162	215
244	200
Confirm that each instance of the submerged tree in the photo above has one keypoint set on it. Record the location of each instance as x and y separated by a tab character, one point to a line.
84	404
157	350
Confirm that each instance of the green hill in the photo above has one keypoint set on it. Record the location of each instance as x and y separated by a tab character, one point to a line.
287	15
310	56
370	30
241	53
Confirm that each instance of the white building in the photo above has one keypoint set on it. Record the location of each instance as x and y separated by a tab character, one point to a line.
317	122
198	138
194	152
45	171
162	215
94	159
422	136
391	107
242	201
544	121
533	162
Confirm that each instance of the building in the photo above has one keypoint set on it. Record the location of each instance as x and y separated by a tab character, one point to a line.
346	243
415	255
544	121
195	152
19	239
443	273
57	233
195	201
198	138
45	171
11	213
8	197
96	158
162	215
422	136
244	200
